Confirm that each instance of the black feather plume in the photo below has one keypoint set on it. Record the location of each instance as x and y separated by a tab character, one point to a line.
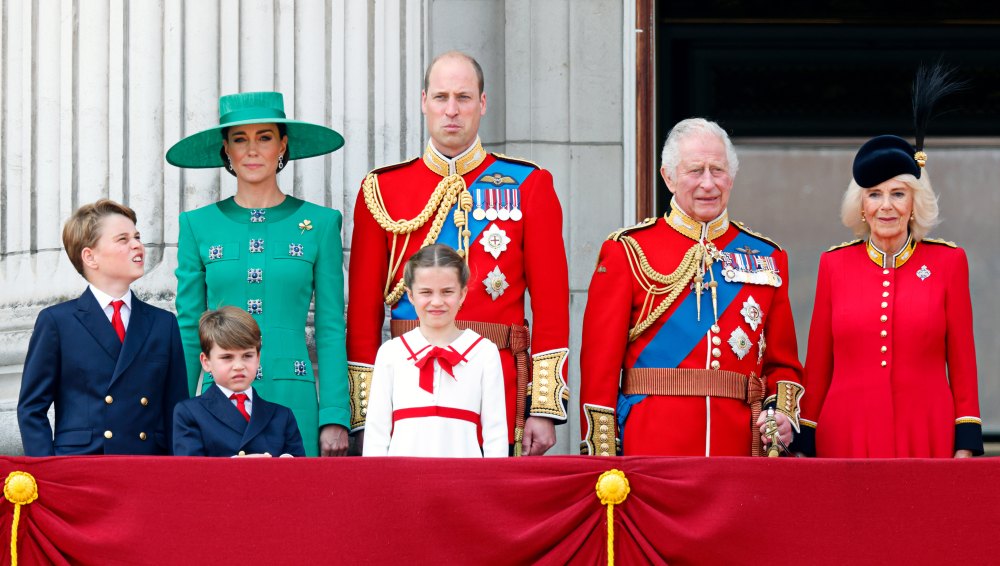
931	84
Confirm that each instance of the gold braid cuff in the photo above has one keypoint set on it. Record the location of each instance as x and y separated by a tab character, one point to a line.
656	283
548	389
359	379
787	401
451	189
602	431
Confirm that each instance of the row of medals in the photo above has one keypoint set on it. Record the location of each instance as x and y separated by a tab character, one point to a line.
501	204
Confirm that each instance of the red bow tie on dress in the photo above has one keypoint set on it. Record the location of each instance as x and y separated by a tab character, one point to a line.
446	357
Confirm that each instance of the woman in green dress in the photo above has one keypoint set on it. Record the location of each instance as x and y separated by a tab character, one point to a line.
270	253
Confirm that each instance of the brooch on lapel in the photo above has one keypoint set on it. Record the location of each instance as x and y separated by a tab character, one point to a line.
305	225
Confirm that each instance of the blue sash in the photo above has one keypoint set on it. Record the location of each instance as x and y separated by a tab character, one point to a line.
682	332
403	309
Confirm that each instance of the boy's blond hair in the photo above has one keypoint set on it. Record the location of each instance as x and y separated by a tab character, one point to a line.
228	328
83	229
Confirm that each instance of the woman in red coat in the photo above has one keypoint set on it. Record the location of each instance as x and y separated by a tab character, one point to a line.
891	366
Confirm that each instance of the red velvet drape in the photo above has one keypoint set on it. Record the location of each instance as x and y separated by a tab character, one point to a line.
123	510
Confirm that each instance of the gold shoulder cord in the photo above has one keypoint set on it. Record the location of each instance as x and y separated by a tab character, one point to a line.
451	188
655	283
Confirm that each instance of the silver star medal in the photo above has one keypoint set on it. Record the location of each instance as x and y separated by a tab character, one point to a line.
496	283
751	313
740	342
923	272
494	241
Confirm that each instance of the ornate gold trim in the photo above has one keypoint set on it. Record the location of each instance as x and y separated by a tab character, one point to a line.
451	189
656	283
617	234
742	227
602	431
969	420
844	245
459	165
516	160
547	388
680	221
787	402
882	259
359	380
948	243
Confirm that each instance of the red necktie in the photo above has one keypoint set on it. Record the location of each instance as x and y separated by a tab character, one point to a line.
241	400
447	358
116	319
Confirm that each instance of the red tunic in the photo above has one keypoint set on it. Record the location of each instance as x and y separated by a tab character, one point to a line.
534	262
669	424
891	368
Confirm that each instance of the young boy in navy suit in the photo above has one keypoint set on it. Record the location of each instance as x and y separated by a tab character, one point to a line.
112	364
231	419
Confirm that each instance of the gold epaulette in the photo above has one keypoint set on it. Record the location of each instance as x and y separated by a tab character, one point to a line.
939	241
515	160
617	234
385	168
844	245
743	228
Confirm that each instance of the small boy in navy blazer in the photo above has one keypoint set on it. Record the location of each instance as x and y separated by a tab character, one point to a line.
231	419
112	364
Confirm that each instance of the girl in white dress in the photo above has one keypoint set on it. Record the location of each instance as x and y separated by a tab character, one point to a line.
437	390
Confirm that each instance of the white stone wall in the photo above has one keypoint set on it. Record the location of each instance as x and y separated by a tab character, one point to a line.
93	93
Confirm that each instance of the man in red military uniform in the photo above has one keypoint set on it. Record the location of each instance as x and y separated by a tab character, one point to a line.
503	215
688	333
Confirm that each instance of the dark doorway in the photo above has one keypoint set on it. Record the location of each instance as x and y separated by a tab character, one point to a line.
820	69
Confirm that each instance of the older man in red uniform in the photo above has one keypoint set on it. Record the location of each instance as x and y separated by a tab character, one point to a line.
688	333
503	215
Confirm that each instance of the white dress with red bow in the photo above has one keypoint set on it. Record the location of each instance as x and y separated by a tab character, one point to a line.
436	402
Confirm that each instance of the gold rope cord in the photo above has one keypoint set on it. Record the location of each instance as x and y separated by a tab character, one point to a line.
612	489
20	488
447	192
670	285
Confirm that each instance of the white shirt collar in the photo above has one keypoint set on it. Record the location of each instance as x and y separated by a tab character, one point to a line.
229	392
105	299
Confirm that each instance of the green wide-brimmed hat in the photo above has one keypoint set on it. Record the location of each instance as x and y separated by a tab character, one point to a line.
201	150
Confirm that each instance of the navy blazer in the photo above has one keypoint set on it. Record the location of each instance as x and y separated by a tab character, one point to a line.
110	397
210	425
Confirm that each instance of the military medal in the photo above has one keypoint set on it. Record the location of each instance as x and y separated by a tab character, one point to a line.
515	211
751	313
494	241
923	272
496	283
491	203
740	342
504	212
479	213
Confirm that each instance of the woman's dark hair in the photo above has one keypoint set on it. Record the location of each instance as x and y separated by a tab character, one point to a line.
282	132
435	255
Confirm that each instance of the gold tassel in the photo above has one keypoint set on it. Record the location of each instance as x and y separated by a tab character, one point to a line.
20	489
612	489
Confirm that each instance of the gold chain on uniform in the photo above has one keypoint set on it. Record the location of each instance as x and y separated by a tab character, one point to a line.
451	188
670	285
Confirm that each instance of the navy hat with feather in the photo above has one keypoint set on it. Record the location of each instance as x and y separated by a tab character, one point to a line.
884	157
